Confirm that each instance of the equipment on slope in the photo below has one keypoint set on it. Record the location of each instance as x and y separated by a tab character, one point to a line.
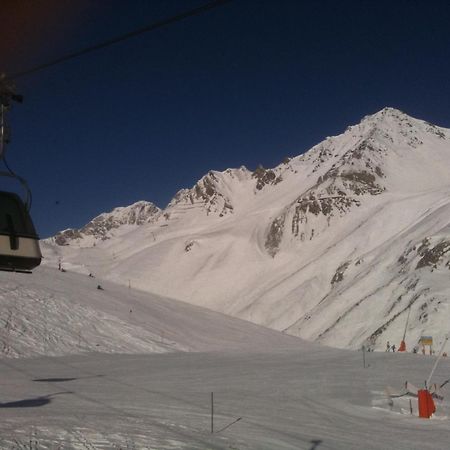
426	404
19	243
425	341
425	396
402	347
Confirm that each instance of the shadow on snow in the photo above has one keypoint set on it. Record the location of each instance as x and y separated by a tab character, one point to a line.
31	402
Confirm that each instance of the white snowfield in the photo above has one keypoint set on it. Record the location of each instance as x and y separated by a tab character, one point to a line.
54	313
271	390
336	245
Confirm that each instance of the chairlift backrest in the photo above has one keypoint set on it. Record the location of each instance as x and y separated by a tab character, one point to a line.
19	242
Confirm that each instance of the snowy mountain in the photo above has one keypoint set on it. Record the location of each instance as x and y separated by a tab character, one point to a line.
334	245
103	226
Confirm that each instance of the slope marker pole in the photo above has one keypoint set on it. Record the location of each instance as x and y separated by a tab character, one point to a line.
364	355
212	412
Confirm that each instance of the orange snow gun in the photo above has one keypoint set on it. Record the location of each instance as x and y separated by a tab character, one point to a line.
402	347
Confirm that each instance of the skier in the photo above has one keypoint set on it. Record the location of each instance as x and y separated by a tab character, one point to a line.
388	346
393	348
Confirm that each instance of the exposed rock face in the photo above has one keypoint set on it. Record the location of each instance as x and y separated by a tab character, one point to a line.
275	235
433	255
101	226
353	174
432	252
67	235
206	191
265	177
339	275
212	192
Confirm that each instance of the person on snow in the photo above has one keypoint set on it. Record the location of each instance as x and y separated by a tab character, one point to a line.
388	346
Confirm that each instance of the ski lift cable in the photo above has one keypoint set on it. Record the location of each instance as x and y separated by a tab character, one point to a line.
151	27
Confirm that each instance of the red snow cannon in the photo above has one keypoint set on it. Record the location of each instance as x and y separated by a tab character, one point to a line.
426	404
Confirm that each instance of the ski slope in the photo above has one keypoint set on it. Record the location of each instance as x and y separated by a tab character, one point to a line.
60	313
307	398
143	379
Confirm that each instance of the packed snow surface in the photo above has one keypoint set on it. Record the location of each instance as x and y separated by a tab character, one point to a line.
270	390
306	398
59	313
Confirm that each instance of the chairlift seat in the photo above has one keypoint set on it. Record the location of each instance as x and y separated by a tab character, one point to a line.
19	242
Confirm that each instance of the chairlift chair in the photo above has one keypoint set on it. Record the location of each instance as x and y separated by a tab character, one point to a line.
19	242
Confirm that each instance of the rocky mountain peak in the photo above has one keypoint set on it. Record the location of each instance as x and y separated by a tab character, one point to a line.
213	192
388	113
101	226
350	169
265	176
392	126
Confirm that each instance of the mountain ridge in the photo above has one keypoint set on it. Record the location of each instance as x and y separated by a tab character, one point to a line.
306	246
100	227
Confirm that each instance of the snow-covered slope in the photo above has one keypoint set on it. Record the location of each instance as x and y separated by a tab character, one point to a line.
309	398
61	313
334	245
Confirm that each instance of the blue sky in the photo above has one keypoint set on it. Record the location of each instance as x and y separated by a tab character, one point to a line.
245	84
